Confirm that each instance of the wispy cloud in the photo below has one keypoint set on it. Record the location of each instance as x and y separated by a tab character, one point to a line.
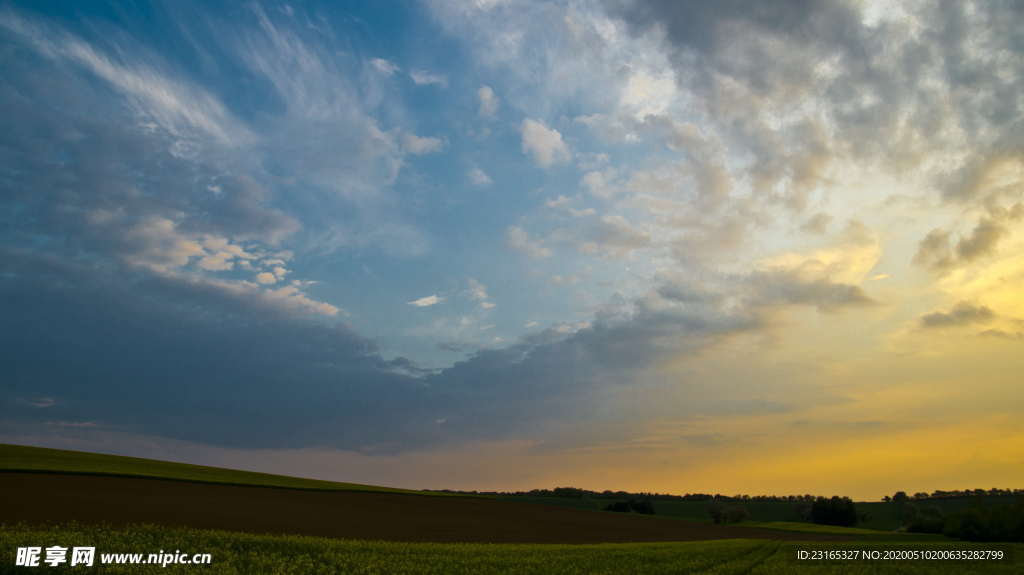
426	301
385	67
478	177
425	78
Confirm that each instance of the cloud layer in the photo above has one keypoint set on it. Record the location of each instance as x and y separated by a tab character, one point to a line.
557	224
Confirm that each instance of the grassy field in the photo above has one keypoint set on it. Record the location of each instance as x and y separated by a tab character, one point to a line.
39	459
235	553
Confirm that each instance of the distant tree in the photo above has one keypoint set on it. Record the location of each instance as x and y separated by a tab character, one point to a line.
900	497
886	499
571	492
834	511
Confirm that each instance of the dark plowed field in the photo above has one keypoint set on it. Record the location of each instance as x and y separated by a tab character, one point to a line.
51	497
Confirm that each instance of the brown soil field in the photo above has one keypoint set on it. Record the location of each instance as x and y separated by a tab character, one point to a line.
91	499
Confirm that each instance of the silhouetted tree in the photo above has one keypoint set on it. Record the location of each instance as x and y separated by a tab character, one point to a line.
834	511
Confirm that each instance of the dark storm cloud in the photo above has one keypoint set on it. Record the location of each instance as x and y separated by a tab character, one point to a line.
126	349
134	351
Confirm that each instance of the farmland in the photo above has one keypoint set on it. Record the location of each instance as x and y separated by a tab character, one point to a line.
260	523
236	553
344	514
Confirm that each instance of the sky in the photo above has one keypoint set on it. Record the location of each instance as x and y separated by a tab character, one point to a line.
675	246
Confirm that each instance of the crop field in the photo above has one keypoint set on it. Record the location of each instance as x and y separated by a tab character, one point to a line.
51	497
237	553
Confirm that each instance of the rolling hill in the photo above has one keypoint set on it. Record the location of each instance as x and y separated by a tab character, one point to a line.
23	458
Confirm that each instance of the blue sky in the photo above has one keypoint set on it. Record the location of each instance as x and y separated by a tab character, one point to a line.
381	240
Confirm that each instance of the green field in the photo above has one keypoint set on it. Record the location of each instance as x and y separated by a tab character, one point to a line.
234	553
24	458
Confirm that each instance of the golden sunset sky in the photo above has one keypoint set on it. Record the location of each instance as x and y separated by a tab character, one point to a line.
674	246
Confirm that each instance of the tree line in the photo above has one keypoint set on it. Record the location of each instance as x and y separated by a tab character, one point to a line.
901	496
577	493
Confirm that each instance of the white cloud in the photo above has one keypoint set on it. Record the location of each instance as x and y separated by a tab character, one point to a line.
564	203
266	278
426	301
420	146
424	78
544	144
517	239
648	95
489	102
291	296
559	202
158	244
599	184
591	161
478	177
385	67
478	291
614	236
